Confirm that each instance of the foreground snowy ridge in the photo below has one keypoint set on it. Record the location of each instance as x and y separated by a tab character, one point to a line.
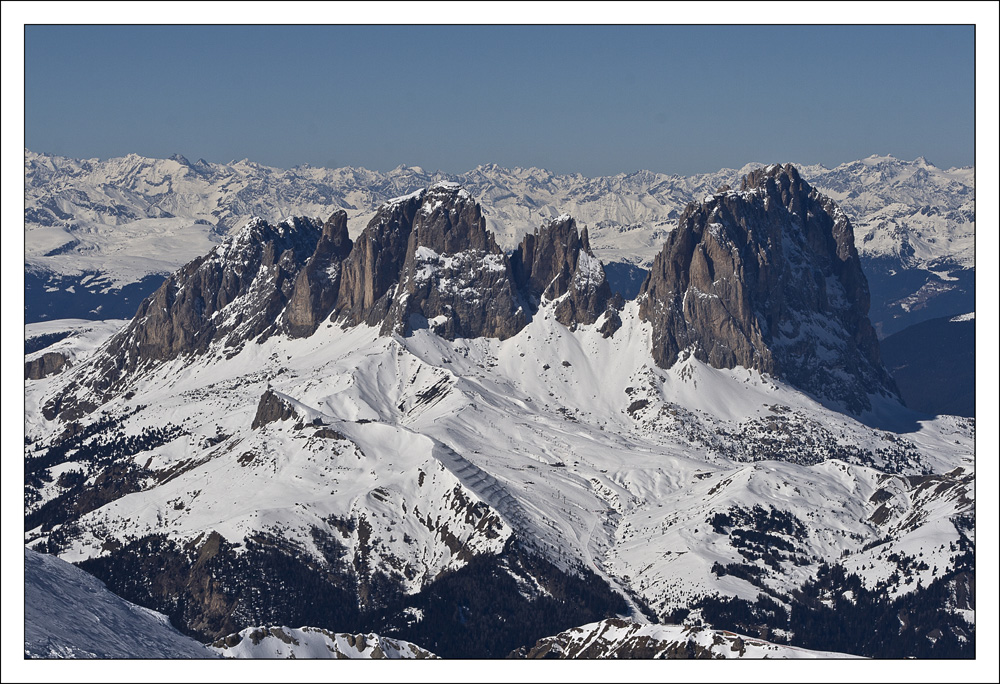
620	639
70	614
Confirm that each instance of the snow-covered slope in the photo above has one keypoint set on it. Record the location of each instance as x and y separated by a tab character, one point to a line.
314	643
473	494
575	443
620	639
98	226
70	614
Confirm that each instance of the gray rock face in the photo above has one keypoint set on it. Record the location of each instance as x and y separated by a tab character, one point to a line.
271	408
248	280
45	365
234	294
318	283
371	271
455	279
557	262
768	278
425	260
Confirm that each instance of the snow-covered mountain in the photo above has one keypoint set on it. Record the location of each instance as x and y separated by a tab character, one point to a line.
116	227
314	643
70	614
303	429
621	639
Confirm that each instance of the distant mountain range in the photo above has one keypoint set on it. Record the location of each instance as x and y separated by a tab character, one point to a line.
101	235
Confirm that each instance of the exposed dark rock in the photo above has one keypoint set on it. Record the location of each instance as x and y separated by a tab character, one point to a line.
248	280
611	323
45	365
557	262
233	295
272	408
455	279
371	272
768	278
318	283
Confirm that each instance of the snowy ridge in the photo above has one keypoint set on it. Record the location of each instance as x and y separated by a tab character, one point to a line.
314	643
618	639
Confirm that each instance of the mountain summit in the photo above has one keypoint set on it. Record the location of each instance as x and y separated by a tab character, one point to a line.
768	278
425	260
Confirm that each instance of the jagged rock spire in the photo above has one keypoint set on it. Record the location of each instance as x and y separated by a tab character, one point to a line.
455	279
318	283
556	263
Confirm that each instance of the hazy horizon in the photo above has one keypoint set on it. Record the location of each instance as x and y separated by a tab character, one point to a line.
594	100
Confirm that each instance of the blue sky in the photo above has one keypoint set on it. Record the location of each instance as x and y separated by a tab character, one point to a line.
588	99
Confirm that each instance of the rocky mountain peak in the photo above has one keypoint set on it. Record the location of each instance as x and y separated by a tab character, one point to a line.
236	293
454	278
250	276
556	263
318	282
451	221
768	278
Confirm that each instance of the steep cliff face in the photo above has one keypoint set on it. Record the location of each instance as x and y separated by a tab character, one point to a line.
556	263
768	278
318	283
234	293
371	271
454	279
45	365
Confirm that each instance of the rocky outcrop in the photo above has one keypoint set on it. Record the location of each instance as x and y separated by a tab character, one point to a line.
454	279
272	407
768	278
318	283
556	264
45	365
235	293
371	272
